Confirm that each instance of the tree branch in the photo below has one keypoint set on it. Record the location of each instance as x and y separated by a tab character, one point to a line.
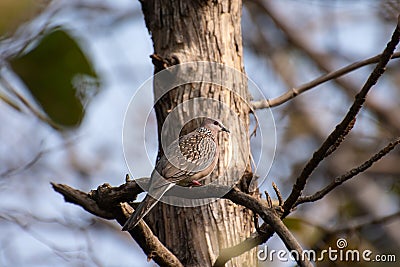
342	127
40	115
260	237
104	200
109	209
82	199
350	174
269	215
149	243
356	226
292	93
298	40
109	197
249	243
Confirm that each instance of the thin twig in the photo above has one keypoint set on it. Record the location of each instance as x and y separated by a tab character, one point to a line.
292	93
268	198
249	243
350	174
354	225
40	115
302	43
340	129
9	102
25	166
357	226
278	194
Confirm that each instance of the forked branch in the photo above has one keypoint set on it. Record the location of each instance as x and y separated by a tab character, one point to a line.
343	127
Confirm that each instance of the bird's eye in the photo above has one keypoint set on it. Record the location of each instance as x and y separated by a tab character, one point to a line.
216	123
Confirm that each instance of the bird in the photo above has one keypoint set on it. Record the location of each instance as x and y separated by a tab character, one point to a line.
186	161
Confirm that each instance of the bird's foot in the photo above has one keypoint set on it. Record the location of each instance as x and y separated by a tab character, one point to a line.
195	183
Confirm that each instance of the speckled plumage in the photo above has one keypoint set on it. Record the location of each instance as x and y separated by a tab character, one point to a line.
189	159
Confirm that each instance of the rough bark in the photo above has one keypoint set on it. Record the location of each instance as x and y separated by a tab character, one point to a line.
187	31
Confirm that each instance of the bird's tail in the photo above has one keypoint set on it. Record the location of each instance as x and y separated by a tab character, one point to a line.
147	204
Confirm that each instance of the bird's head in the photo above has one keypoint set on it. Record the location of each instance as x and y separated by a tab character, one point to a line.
214	125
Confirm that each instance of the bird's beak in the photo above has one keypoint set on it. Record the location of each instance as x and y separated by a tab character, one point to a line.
225	130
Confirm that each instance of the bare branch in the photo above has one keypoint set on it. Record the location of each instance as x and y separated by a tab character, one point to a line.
292	93
356	226
265	232
9	102
350	174
149	243
298	40
27	165
268	198
342	136
340	129
40	115
82	199
269	215
110	196
353	226
107	209
102	202
278	194
251	242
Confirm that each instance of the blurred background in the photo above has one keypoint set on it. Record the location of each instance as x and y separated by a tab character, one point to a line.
70	68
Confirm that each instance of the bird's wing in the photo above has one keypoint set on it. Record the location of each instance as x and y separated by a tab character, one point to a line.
187	156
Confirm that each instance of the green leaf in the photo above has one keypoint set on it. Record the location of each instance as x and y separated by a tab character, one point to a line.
49	71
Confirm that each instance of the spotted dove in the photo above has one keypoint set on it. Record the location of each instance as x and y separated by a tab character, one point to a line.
187	160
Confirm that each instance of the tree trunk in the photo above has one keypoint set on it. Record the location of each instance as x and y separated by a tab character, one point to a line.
188	31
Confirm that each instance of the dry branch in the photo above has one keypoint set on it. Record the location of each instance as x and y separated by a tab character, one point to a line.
293	92
349	227
269	215
82	199
356	226
109	197
350	174
298	40
342	127
109	209
251	242
142	234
